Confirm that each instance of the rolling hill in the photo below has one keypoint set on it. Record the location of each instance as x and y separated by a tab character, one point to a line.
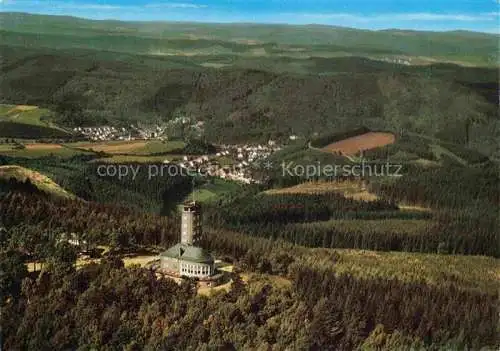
272	81
40	181
247	104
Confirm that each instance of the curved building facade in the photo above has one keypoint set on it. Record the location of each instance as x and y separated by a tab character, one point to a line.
187	260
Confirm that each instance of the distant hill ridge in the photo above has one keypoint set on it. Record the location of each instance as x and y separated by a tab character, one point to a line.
454	45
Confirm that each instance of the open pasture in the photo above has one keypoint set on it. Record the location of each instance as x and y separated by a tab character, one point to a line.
36	150
349	189
23	114
6	147
28	114
214	190
133	147
138	159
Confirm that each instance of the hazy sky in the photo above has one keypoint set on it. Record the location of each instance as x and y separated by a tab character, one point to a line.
479	15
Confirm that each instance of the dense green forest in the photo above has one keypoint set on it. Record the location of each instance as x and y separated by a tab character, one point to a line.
108	306
470	230
130	308
463	205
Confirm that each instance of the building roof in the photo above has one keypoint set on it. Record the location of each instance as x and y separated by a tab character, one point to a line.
188	253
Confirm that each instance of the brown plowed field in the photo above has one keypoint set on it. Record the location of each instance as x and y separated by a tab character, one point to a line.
42	146
364	142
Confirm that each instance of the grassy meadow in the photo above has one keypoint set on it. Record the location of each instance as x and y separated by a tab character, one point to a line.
28	121
114	151
130	148
25	114
213	190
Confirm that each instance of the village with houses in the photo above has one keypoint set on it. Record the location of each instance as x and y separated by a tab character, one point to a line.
108	133
242	158
231	161
176	127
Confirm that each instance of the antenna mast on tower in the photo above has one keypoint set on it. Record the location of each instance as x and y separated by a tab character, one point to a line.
192	189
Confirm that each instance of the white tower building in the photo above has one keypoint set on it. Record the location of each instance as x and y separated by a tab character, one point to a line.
191	224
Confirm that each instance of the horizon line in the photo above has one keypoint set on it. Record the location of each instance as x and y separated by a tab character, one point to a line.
249	23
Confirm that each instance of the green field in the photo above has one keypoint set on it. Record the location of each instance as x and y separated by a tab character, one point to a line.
62	152
302	154
142	151
4	148
130	148
138	158
31	151
159	147
25	121
25	114
213	190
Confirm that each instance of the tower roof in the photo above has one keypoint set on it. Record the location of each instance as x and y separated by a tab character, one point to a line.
188	253
191	205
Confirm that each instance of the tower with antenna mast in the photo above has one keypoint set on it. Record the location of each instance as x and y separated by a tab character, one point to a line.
187	258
